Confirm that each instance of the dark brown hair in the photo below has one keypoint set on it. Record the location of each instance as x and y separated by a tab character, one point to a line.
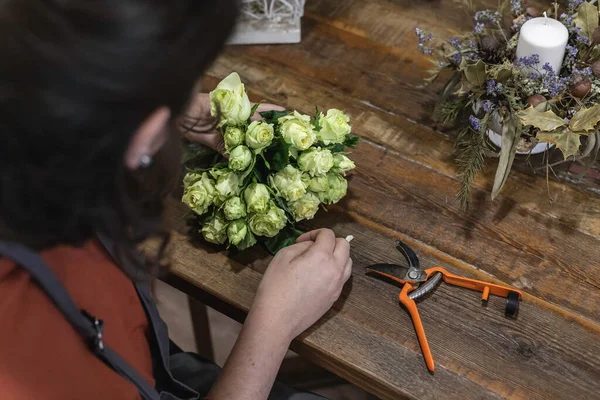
77	78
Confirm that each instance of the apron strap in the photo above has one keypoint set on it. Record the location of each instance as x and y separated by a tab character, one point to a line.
89	327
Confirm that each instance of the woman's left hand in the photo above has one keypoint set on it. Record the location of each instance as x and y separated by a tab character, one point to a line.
201	132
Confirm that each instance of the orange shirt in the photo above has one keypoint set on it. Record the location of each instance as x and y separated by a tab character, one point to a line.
42	356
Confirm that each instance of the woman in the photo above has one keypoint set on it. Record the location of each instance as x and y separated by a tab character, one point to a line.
91	92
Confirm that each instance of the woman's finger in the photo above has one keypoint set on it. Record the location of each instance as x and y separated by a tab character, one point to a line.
347	270
324	239
342	251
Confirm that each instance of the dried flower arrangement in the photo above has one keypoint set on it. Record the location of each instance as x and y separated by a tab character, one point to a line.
532	78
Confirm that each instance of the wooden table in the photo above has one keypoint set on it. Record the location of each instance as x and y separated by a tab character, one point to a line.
361	56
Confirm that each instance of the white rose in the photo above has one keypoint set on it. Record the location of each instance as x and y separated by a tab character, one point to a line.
297	130
231	101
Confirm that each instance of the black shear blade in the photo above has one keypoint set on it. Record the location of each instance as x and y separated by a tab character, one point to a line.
409	254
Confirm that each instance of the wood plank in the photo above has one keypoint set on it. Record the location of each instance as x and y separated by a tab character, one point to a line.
523	258
558	263
368	340
570	205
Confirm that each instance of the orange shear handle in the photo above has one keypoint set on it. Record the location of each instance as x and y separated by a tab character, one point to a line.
411	306
485	287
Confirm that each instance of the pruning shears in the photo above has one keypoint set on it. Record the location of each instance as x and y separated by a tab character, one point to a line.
418	282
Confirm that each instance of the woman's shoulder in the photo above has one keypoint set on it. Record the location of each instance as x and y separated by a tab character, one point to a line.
41	355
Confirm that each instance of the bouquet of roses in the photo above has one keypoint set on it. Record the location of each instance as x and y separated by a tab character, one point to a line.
280	169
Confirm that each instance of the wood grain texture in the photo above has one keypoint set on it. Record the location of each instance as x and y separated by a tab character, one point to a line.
362	57
368	339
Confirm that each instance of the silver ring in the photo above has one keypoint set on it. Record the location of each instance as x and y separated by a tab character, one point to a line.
145	161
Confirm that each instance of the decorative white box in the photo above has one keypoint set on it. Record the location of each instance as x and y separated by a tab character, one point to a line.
269	22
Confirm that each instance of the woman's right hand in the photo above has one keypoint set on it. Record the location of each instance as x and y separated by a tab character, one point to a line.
302	282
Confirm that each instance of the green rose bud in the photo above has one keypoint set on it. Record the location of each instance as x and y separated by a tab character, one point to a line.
233	137
231	101
234	208
289	183
214	230
315	161
236	232
259	135
200	195
257	198
190	178
228	184
318	184
268	224
337	188
297	130
240	158
334	127
342	164
305	207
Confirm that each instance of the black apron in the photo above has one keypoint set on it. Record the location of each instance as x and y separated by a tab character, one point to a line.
171	367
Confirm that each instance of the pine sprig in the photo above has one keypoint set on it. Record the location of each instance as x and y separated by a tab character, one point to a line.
448	111
471	149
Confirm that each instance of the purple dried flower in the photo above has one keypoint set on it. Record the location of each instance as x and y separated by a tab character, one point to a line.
517	25
457	58
493	88
572	51
424	38
455	42
548	68
528	61
472	56
516	7
585	72
582	39
485	17
479	27
492	17
552	82
474	123
566	19
487	106
573	5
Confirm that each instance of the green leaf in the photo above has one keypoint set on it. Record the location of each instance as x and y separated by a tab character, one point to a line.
265	160
254	108
501	72
351	141
465	88
279	154
510	137
545	121
587	19
315	120
250	168
286	237
271	117
585	120
566	141
474	73
249	241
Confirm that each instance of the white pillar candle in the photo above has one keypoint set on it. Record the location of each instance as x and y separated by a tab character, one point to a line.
545	37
